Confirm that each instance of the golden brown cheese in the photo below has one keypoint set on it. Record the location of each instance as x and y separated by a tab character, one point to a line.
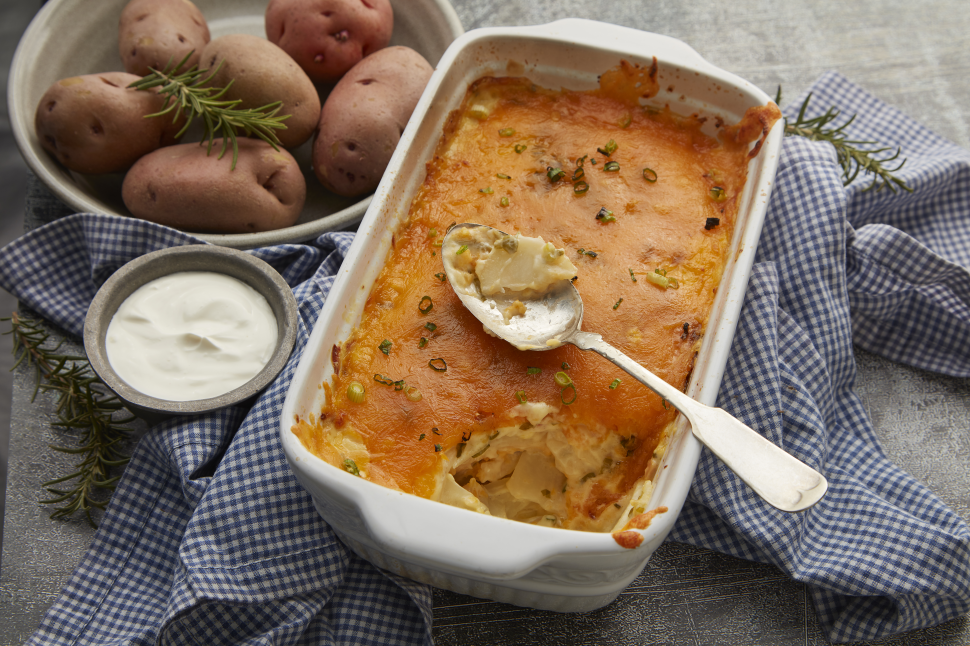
436	385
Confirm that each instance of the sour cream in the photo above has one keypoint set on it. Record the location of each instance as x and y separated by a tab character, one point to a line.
191	335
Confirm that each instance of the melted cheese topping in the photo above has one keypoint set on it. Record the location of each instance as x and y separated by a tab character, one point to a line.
456	415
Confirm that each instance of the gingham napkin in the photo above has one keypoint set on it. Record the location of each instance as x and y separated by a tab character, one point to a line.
208	538
183	557
881	553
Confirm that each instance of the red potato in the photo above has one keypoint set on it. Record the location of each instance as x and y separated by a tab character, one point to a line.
262	73
93	124
328	37
153	32
363	118
182	187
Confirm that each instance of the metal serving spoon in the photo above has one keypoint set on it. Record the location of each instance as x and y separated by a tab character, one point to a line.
555	318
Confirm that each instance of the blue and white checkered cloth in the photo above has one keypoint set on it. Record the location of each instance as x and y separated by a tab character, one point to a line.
210	539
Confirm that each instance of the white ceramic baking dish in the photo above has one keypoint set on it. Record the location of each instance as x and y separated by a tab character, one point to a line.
460	550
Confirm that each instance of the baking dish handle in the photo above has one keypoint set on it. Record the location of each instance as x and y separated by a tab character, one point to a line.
634	41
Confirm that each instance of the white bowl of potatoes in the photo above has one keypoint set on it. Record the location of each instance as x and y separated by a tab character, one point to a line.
69	39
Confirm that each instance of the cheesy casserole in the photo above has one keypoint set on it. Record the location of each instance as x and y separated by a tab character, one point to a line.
643	202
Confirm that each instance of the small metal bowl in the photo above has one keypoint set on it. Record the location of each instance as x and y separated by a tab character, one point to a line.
237	264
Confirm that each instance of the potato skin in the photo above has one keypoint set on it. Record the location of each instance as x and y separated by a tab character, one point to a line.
328	37
152	32
181	187
262	73
363	118
93	124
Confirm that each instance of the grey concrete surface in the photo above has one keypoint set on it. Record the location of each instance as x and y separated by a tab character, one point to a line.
14	17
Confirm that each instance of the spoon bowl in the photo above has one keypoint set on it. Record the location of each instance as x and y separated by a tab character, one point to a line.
551	317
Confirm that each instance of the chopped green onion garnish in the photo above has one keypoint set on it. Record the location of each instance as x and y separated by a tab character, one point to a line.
591	254
718	194
421	437
578	174
616	382
562	394
385	347
351	467
665	404
580	187
533	371
711	223
660	279
504	201
459	449
355	392
432	233
555	174
423	342
520	395
399	385
462	249
581	160
441	276
617	304
565	366
632	277
520	148
438	364
612	166
435	431
503	176
483	449
605	215
550	253
381	379
506	132
562	379
430	327
650	175
608	149
425	307
625	121
437	448
487	190
412	393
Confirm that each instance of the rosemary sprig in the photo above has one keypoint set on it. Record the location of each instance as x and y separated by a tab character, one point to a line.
83	403
851	158
186	94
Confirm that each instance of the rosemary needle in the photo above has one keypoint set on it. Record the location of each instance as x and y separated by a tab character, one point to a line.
186	94
852	159
83	404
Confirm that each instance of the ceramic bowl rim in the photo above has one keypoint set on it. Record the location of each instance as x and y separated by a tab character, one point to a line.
193	257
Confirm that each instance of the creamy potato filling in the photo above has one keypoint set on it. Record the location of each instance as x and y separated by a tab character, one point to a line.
531	471
482	262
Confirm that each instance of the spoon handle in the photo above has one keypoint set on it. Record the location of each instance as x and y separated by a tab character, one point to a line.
781	479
